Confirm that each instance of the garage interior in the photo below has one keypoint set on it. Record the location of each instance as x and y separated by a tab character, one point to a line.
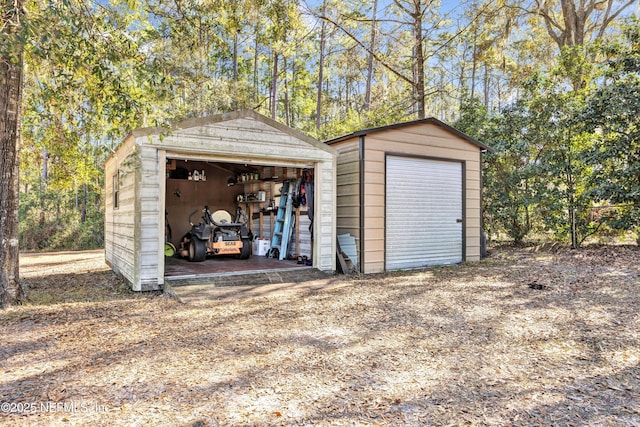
250	193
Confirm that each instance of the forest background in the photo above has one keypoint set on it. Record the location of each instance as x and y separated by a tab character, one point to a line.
552	86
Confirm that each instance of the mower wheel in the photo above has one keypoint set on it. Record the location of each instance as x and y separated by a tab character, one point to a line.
245	252
197	250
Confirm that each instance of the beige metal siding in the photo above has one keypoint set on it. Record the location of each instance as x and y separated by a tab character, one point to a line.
373	200
150	212
324	220
348	189
120	222
473	208
243	140
131	229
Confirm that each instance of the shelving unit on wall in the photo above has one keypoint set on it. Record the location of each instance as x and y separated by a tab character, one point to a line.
256	209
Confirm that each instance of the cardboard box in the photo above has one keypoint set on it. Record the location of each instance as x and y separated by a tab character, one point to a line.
261	247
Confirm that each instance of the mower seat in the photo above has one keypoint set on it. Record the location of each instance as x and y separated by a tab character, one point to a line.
221	217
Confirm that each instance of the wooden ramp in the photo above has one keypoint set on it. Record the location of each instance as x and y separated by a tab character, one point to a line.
193	291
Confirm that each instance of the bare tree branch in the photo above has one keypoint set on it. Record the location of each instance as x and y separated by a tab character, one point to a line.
367	49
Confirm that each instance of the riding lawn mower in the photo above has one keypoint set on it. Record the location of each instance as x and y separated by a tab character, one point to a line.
216	234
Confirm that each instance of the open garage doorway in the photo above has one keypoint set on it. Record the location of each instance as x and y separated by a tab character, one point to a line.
236	193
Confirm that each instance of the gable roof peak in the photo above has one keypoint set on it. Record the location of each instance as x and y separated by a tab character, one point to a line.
428	120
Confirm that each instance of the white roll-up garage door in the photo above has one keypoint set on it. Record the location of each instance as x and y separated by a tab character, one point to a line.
423	212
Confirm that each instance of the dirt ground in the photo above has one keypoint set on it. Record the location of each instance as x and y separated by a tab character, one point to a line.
525	337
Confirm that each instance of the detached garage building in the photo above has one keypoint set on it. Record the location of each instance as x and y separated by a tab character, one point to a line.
410	194
157	177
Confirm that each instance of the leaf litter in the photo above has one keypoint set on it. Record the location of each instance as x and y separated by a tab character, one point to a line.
471	344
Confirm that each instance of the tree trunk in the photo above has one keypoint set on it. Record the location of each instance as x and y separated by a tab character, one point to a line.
274	85
574	26
571	25
418	53
97	200
45	168
83	212
347	92
573	221
294	70
372	47
474	62
287	107
43	184
323	34
487	82
11	61
255	64
234	103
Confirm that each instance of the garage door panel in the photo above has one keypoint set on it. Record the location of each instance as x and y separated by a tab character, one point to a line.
423	212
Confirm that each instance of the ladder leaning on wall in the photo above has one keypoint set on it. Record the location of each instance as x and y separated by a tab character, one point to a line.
284	219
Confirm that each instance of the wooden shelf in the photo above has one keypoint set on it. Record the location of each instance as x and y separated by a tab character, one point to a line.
275	179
